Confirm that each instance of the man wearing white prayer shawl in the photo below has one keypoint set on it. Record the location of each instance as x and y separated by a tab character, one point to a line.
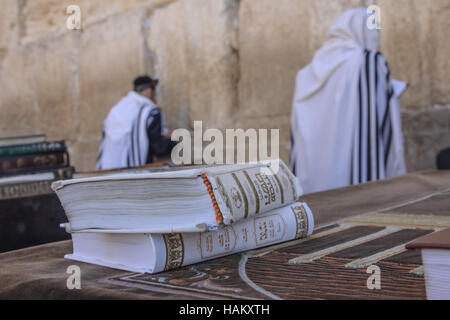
133	132
346	126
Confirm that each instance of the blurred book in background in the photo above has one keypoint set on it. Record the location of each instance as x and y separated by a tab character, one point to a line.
29	208
435	250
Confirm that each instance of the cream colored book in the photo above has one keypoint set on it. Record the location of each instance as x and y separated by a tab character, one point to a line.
154	253
435	249
193	200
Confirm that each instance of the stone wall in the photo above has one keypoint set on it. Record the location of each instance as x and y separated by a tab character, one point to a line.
230	63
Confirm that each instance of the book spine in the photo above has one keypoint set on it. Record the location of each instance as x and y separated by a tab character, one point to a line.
33	188
11	141
43	147
291	222
246	193
28	189
21	164
63	173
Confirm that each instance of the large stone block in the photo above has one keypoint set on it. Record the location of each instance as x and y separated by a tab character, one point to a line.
83	153
426	133
195	61
230	63
65	85
56	87
110	55
280	122
416	42
38	90
42	18
10	24
18	112
276	40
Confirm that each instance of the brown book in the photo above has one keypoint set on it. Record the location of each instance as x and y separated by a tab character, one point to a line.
23	164
437	240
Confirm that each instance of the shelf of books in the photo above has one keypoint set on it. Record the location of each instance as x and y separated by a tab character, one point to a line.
29	210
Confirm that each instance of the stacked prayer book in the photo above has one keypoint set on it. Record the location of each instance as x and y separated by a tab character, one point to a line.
29	164
158	221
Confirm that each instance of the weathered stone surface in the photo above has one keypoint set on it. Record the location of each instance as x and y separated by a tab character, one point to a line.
9	23
281	122
116	49
38	90
276	39
83	153
416	42
230	63
426	133
17	104
46	17
195	62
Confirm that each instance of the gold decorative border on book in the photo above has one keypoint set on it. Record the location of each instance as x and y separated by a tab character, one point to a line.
27	189
252	185
279	184
174	251
266	218
301	217
201	236
244	195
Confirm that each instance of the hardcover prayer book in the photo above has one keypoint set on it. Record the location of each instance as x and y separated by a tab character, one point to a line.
176	201
154	253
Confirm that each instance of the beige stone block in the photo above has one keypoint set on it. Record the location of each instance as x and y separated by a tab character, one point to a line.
83	153
422	149
10	24
276	40
229	63
281	122
38	90
56	87
18	108
110	56
42	18
426	133
416	42
432	120
195	61
168	42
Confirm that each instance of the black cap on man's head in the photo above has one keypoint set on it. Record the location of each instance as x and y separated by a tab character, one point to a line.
145	82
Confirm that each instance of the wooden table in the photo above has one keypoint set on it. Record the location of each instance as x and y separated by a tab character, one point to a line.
357	227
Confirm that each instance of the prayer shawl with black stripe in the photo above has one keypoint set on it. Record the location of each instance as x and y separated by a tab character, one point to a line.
346	126
125	140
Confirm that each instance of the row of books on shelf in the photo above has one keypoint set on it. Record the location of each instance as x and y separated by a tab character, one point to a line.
29	164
